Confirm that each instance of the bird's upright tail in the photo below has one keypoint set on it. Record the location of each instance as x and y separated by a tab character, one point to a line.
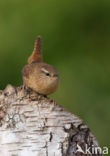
37	52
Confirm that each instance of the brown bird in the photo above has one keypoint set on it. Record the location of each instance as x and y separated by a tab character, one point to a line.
39	76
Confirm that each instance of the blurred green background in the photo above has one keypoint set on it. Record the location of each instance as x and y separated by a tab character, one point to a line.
76	40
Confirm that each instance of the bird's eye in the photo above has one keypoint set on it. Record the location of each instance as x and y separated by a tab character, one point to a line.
47	74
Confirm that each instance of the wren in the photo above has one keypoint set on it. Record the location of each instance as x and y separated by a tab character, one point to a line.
39	76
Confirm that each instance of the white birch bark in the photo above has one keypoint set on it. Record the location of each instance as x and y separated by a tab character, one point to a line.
34	125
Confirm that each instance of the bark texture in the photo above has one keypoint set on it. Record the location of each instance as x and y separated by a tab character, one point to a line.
34	125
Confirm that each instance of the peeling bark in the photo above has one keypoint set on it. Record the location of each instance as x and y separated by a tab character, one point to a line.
34	125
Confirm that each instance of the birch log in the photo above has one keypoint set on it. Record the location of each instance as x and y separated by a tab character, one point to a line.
34	125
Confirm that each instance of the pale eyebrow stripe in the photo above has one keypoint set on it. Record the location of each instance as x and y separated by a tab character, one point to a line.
44	70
